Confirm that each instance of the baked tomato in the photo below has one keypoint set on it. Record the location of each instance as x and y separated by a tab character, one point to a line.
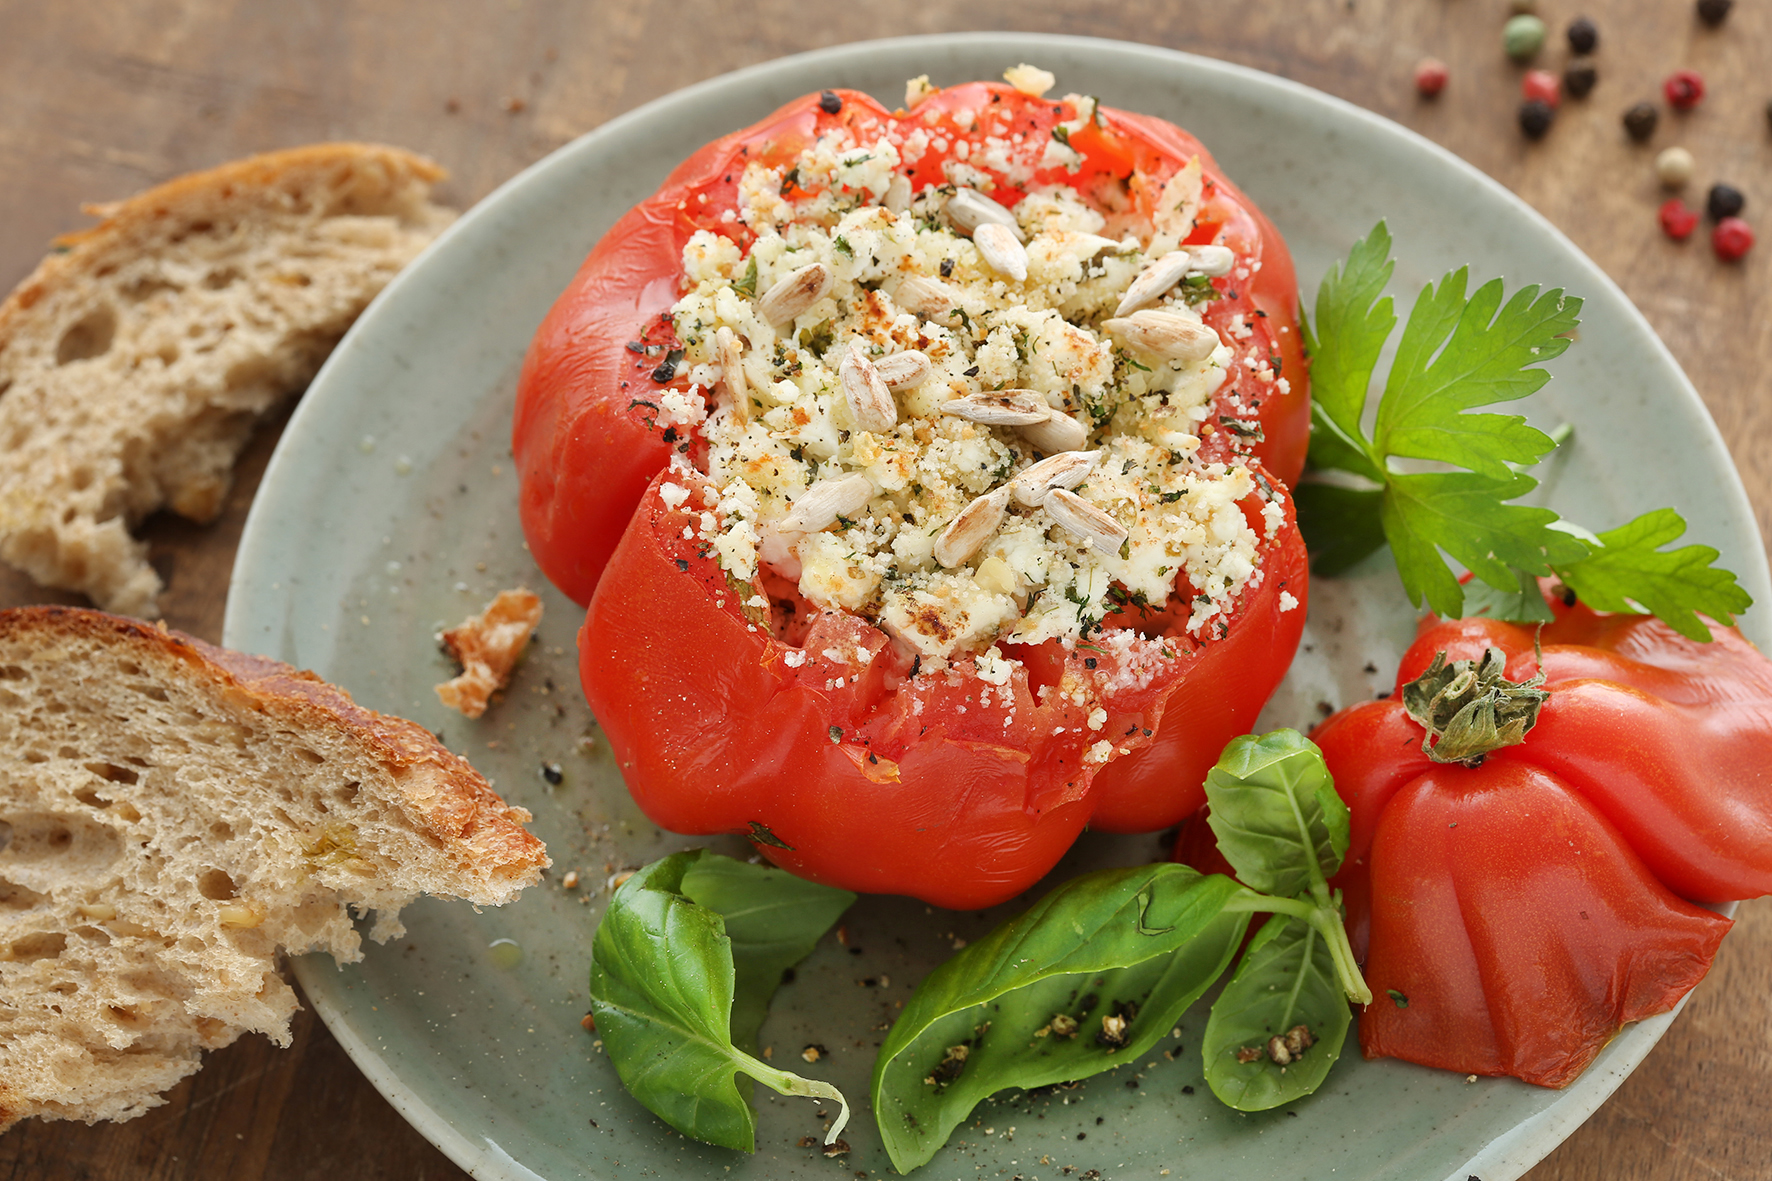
587	437
922	466
1527	899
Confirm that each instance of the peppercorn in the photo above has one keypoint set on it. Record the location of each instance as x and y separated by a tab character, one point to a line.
1523	5
1712	12
1430	77
1723	201
1541	85
1522	36
1731	239
1678	219
1579	78
1640	121
1674	167
829	102
1684	89
1582	34
1535	118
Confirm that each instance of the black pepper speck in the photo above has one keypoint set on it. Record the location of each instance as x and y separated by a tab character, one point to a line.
1640	121
1536	117
1579	79
1713	12
1724	201
829	103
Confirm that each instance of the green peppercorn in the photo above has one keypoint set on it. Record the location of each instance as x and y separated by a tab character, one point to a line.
1640	121
1523	36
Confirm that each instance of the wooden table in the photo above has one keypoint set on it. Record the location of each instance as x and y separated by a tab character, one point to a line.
105	97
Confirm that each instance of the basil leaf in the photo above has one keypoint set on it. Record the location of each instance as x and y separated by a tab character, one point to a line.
773	919
1089	978
662	983
1287	979
1276	815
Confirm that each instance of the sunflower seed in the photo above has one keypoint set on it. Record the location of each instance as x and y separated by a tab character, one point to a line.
820	505
1067	469
731	358
1001	408
1002	251
904	371
1169	335
1157	277
929	298
794	292
972	528
1085	520
1061	432
969	209
870	402
898	194
1212	260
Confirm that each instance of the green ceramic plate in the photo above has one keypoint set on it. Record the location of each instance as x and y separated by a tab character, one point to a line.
390	511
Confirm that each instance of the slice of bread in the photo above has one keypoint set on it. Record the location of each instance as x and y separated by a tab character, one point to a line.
134	362
172	817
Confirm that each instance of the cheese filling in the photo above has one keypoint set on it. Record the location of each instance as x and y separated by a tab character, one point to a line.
937	542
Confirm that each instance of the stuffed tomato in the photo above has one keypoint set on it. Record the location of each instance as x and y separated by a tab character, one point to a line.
925	475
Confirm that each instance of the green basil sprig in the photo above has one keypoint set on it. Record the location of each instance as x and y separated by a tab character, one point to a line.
1279	1025
1101	967
682	968
1088	979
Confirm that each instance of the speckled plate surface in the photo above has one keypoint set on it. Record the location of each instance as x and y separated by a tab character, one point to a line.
390	511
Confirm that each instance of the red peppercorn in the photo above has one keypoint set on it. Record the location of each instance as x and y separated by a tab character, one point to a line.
1430	77
1542	86
1731	239
1678	220
1684	89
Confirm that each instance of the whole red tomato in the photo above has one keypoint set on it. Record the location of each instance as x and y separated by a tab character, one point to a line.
1526	903
831	747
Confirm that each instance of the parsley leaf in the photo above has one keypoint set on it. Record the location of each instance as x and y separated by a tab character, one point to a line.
1459	353
1629	569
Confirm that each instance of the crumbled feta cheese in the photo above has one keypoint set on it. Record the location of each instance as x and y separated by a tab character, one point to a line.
1031	579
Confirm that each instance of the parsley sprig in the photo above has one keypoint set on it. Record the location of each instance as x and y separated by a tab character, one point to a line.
1457	354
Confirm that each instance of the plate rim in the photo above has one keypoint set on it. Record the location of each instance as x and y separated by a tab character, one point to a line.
1508	1155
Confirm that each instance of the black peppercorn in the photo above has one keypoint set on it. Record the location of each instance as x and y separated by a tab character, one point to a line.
1640	121
1579	79
829	103
1535	118
1712	12
1724	201
1583	36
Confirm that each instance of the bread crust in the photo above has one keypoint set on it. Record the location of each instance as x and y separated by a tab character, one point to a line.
131	936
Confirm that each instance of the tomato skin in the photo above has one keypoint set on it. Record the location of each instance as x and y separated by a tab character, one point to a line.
583	437
1519	927
1643	787
876	782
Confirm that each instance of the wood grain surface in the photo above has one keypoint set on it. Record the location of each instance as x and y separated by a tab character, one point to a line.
104	97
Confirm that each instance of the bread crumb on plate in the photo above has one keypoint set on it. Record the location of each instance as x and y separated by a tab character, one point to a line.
487	646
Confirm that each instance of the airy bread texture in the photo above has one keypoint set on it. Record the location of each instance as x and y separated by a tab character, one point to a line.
134	363
172	816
